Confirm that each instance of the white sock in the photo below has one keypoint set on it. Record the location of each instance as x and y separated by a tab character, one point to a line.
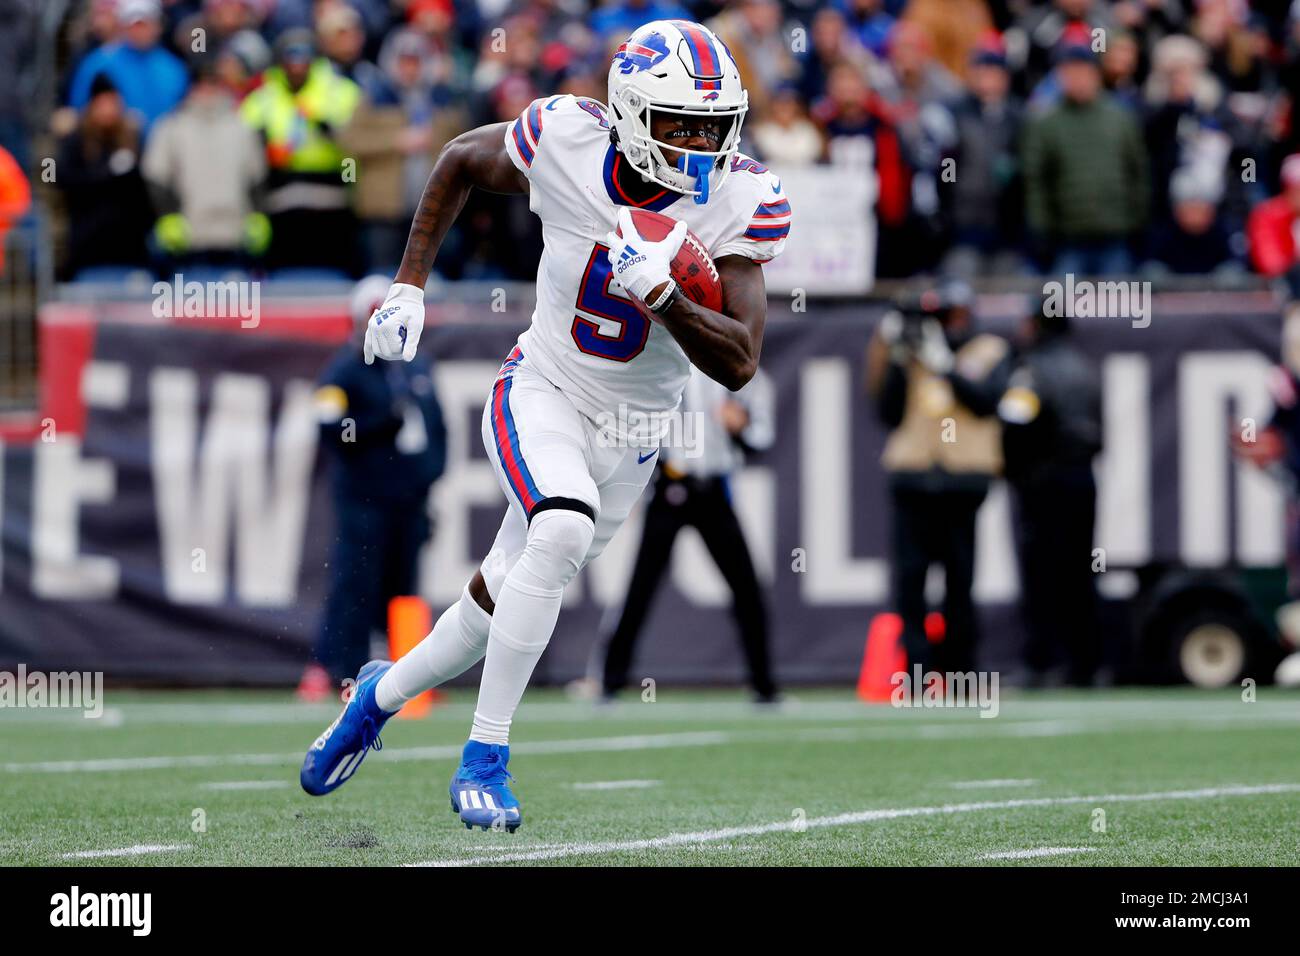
525	616
455	644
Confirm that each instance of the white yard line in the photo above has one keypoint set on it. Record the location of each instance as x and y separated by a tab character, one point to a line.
848	819
244	785
902	729
1036	852
140	849
991	784
705	738
1014	705
616	785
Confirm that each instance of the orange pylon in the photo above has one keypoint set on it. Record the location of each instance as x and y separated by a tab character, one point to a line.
409	620
882	658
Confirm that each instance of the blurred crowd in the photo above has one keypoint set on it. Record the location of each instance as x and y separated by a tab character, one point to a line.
1006	136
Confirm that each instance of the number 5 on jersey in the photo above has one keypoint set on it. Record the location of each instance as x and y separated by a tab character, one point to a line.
596	299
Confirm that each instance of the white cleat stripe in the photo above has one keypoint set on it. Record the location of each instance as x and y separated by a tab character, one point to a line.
487	801
338	769
474	800
356	762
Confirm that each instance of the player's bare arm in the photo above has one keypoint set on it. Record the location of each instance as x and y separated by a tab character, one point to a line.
724	345
476	159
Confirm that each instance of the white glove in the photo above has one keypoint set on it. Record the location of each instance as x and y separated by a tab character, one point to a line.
935	353
394	329
641	266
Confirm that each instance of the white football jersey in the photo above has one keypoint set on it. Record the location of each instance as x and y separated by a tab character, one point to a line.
586	336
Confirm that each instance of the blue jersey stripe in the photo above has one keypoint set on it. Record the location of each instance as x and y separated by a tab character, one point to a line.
771	210
521	143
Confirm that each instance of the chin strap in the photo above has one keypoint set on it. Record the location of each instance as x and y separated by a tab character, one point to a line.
698	167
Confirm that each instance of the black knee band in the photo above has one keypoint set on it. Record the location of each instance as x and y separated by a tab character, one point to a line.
566	504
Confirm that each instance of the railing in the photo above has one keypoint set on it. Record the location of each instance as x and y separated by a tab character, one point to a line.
25	282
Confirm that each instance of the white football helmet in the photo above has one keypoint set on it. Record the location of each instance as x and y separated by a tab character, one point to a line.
675	66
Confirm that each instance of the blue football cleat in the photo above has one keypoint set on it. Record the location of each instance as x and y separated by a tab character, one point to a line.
338	752
479	789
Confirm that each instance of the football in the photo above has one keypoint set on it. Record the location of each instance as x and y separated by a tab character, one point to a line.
692	267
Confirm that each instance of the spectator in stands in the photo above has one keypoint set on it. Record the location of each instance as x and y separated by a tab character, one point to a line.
97	171
19	65
519	57
952	29
584	82
618	18
985	201
1193	239
851	118
1119	69
1085	171
490	221
436	19
216	23
15	198
298	111
831	44
1147	21
150	79
1237	41
1039	32
104	24
785	137
395	143
342	38
759	38
203	166
241	62
919	104
1185	125
860	134
869	21
920	79
1271	230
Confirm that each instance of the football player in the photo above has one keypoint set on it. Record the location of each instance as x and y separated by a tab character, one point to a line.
568	424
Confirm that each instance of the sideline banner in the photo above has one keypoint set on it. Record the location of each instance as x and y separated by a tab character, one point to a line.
178	531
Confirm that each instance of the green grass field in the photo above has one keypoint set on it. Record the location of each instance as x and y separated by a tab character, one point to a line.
1182	777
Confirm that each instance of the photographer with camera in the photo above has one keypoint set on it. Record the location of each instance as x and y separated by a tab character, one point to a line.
936	382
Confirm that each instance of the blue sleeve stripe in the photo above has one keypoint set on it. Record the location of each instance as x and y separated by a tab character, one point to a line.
521	143
770	210
768	232
535	122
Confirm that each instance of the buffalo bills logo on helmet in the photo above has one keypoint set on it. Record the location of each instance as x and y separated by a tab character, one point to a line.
641	55
711	96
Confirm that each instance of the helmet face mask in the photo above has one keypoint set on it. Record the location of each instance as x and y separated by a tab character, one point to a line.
677	69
